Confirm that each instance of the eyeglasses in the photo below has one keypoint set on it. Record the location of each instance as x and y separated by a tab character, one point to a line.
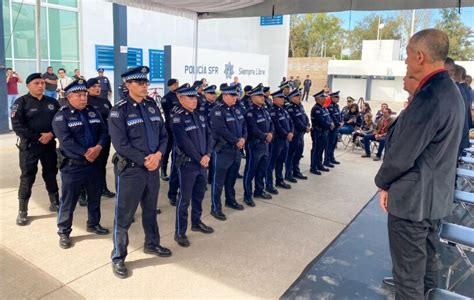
141	82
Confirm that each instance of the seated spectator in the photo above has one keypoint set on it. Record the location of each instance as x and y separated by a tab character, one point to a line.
379	134
366	128
352	120
364	109
380	112
345	109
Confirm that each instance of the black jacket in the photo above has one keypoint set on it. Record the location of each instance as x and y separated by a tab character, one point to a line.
419	167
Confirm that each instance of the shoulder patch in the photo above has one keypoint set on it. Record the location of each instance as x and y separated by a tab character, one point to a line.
249	114
59	117
114	114
176	120
218	113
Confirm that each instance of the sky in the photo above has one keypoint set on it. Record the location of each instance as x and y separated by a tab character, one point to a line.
467	16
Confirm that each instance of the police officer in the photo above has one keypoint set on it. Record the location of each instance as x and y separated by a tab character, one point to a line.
193	148
301	126
260	135
321	123
210	96
123	90
229	131
31	117
268	101
168	102
174	179
285	87
246	102
104	82
335	114
198	85
279	147
82	135
103	106
139	136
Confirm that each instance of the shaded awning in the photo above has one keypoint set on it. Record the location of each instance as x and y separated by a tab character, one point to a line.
207	9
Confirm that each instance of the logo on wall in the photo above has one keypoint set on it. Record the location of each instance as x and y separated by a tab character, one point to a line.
229	70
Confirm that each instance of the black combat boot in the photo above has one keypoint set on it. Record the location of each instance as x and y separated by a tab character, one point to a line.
54	202
22	219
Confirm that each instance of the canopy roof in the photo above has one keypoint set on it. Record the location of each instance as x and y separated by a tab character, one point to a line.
206	9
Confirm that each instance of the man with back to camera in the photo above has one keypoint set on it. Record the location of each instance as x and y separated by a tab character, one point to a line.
416	179
31	119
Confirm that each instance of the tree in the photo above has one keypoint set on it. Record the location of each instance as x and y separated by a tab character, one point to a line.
315	35
366	29
422	20
460	45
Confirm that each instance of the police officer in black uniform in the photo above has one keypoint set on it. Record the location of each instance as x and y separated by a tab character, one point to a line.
260	135
229	131
139	136
193	149
103	106
321	123
168	102
104	82
210	102
301	126
245	102
285	87
123	90
31	117
336	116
173	188
279	147
267	94
82	135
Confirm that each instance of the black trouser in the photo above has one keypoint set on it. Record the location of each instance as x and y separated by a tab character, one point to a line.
103	158
74	178
413	251
135	185
169	147
305	94
29	158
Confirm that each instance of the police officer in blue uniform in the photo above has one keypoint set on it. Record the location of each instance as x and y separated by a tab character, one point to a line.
260	135
321	123
168	102
103	106
173	187
246	102
229	131
139	137
193	154
82	135
267	94
301	126
205	109
336	117
31	118
104	82
123	90
285	87
198	85
279	147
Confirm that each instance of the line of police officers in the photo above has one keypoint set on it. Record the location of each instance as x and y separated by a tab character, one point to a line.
206	138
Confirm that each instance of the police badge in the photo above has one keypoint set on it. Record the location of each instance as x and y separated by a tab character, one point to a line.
92	114
151	110
202	118
50	107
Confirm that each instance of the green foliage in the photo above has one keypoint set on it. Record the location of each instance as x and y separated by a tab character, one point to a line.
460	45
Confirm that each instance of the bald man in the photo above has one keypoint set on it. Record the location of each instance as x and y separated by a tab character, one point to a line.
416	179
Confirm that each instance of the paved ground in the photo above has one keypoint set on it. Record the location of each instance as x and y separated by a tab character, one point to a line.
258	252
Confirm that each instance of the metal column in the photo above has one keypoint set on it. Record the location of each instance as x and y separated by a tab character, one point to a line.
3	84
120	42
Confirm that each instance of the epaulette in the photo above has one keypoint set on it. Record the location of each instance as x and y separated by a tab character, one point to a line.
63	107
121	102
179	111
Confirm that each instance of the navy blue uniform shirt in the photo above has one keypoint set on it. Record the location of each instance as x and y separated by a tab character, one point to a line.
102	105
298	116
335	114
73	127
228	123
259	123
128	132
320	118
168	102
192	134
281	121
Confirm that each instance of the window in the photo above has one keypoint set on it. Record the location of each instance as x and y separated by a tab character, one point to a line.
6	28
63	34
134	57
157	65
104	57
269	20
71	3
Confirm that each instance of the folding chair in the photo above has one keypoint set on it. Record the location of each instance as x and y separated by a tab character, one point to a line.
462	238
346	140
466	201
467	161
440	294
465	180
